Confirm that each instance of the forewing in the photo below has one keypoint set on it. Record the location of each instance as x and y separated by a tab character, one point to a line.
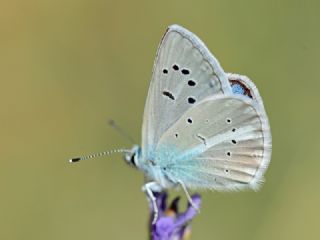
185	72
222	143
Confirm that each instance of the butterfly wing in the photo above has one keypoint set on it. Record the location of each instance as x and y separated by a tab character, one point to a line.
222	143
185	72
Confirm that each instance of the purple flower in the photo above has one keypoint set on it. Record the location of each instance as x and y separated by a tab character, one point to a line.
172	225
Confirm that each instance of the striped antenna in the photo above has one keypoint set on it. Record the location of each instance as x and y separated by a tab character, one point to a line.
106	153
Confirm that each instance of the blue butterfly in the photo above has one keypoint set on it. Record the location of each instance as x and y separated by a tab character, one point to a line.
202	128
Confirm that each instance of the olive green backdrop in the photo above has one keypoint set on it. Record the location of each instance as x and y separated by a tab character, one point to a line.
66	67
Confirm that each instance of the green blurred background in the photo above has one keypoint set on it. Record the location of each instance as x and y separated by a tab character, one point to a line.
66	67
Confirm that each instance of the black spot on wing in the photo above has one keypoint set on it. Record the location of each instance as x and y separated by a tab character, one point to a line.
168	94
191	83
228	120
202	139
185	71
191	100
175	67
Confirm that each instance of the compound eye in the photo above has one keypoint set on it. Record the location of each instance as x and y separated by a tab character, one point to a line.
132	159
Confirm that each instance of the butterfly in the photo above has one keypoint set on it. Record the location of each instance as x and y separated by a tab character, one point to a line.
202	128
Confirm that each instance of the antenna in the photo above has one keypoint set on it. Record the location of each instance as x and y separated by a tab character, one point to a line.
121	131
106	153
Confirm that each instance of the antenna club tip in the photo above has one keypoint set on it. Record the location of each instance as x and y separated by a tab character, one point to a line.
73	160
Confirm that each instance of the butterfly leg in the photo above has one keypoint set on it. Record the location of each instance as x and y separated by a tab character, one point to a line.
149	188
188	196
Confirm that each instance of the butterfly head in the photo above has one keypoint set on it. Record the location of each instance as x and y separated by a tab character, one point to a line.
132	156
